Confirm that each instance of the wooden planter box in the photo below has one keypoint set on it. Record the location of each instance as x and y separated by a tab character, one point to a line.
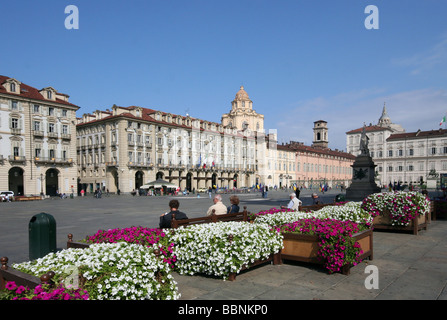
27	198
21	278
74	244
10	274
383	222
275	258
302	247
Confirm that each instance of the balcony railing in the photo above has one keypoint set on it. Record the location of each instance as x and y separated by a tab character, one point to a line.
141	164
38	133
112	164
53	160
16	158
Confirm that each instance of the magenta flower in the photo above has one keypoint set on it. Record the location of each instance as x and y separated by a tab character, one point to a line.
10	285
403	207
337	247
44	293
137	235
20	289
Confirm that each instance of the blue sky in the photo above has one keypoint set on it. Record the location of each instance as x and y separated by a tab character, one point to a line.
299	60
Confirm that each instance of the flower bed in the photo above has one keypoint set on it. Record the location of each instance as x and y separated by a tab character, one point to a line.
276	217
149	237
223	249
350	211
338	236
109	271
41	292
336	244
398	210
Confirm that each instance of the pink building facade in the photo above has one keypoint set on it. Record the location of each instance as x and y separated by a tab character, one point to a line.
316	166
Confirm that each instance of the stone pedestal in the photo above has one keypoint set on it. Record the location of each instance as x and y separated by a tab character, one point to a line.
363	182
431	183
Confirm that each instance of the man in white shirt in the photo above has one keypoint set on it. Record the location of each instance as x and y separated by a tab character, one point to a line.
218	206
294	203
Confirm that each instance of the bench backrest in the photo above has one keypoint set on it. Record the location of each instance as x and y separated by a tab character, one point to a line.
314	207
239	216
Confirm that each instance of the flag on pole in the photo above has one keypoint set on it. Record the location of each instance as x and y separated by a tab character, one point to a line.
442	121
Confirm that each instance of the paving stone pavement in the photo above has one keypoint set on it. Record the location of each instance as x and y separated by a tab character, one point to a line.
410	266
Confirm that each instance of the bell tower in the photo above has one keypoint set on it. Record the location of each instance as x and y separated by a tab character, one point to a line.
321	138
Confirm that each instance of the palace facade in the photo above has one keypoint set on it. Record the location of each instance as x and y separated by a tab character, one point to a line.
126	147
402	157
46	149
37	140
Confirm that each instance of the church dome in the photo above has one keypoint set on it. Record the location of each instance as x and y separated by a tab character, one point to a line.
384	119
242	95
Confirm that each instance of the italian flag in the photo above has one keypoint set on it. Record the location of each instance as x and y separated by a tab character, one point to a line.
442	121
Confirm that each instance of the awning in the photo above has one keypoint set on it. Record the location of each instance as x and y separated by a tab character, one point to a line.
159	183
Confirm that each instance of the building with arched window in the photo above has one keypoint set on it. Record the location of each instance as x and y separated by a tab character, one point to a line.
402	157
37	140
126	147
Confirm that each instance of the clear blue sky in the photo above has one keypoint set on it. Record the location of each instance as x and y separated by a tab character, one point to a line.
299	60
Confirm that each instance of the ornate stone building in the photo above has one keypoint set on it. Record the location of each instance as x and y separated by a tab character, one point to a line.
37	140
399	156
244	118
377	134
242	115
126	147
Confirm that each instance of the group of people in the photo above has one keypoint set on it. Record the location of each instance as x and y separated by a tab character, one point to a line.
220	208
217	208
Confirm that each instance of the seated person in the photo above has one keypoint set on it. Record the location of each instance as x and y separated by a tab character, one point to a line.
234	208
166	218
218	206
294	203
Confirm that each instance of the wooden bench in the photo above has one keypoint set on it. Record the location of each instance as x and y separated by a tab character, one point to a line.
239	216
314	207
